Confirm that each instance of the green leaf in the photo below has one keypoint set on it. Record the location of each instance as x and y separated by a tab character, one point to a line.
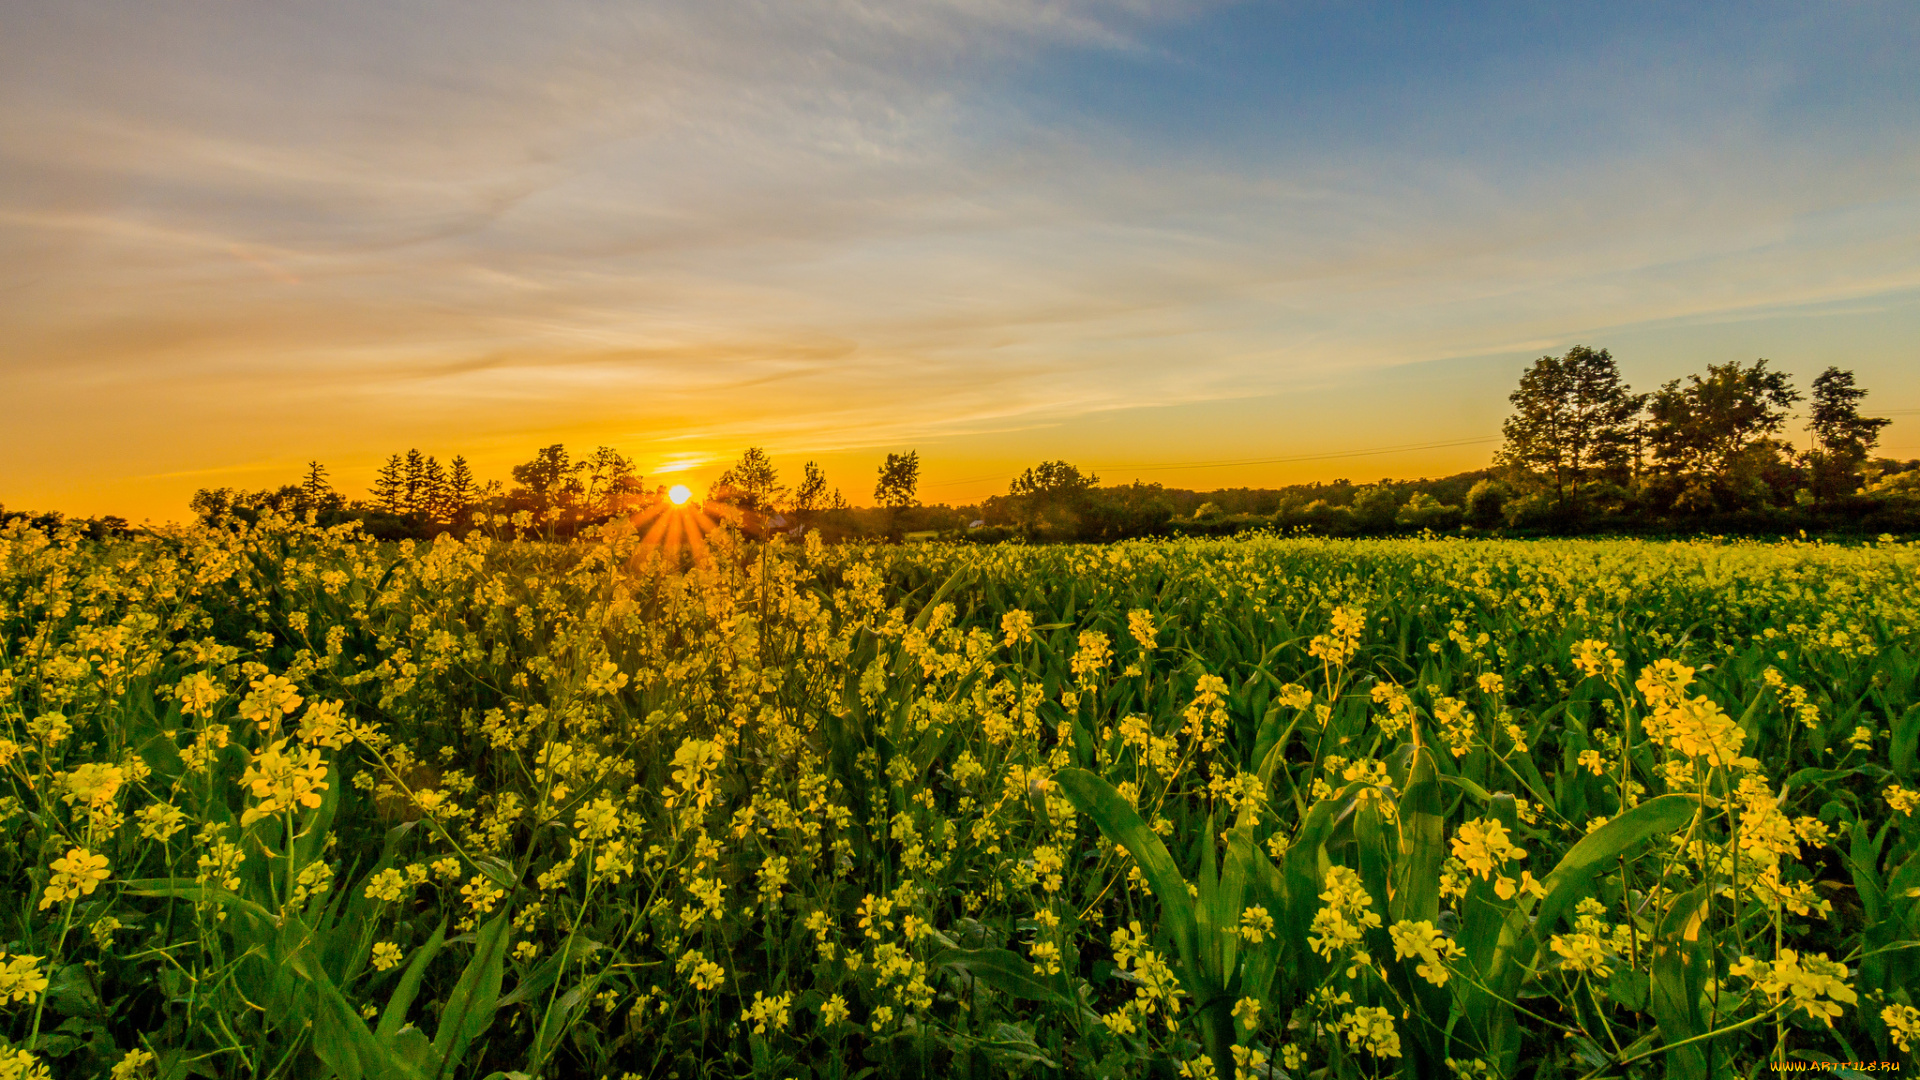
1121	824
402	997
471	1006
1003	970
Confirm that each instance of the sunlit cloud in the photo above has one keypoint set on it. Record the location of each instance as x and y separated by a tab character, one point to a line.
833	228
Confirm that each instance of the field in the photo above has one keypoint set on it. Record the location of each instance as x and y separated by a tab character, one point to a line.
282	802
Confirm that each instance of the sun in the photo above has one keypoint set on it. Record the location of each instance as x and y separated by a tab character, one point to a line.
679	493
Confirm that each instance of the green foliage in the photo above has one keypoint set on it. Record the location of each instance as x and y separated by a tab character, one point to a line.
490	807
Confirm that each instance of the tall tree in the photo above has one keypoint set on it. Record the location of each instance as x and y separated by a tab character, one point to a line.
611	482
550	480
1842	437
460	487
899	479
1051	495
811	495
1717	429
390	485
316	493
752	483
1572	418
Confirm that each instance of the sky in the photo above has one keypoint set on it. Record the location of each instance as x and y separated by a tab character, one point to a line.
1204	244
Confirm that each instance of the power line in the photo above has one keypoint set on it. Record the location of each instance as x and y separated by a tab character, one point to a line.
1174	465
1401	449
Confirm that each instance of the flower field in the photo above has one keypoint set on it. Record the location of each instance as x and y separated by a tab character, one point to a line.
285	802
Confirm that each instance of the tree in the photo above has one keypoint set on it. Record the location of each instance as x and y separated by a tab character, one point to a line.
315	492
1842	437
461	489
1052	497
550	481
811	495
389	485
1572	417
611	482
752	483
1714	431
899	477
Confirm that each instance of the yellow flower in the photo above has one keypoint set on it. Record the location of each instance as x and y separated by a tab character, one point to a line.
19	1064
21	980
1255	924
767	1012
1483	844
136	1064
93	784
1902	800
1372	1027
388	886
281	781
1802	981
1903	1023
833	1011
1345	917
160	821
1247	1011
76	874
272	697
481	894
1421	941
1140	625
386	956
1016	627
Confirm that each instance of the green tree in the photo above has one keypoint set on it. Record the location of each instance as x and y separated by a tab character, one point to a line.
752	483
1572	418
1842	438
1715	431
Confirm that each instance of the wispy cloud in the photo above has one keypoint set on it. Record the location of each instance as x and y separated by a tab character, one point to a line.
828	224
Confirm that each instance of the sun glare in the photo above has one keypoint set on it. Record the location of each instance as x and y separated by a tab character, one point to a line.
679	493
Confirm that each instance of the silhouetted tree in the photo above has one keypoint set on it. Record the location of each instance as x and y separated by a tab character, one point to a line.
390	486
1051	498
460	490
899	478
752	483
612	485
811	495
316	493
1842	438
550	482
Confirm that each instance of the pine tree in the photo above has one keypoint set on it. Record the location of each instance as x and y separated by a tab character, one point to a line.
390	485
434	503
315	492
460	488
413	484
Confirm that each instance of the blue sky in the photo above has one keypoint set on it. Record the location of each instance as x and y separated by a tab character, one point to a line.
1127	234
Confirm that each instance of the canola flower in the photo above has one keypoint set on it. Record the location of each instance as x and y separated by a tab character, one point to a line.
766	798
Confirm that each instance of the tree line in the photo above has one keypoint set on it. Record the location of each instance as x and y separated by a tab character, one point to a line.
1581	452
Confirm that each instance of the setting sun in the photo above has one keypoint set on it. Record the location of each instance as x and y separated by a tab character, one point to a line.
679	493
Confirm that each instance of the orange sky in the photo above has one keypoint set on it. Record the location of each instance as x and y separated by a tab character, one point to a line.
1138	236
